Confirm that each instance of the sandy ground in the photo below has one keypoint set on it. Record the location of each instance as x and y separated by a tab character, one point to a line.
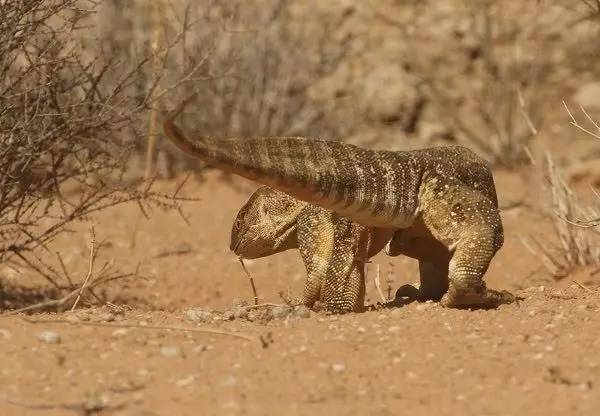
534	357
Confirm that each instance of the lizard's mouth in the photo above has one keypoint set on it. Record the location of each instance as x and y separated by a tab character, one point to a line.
234	247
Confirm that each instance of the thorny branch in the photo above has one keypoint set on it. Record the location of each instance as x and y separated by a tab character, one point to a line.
63	111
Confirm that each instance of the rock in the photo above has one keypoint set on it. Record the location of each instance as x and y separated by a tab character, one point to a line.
198	315
240	312
259	314
184	382
281	312
4	333
240	302
301	311
119	332
171	352
228	315
229	381
49	337
104	317
423	306
338	368
588	95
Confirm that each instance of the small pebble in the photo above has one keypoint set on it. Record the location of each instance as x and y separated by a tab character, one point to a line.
240	312
198	315
228	315
229	381
105	317
171	352
301	311
338	368
184	382
423	306
281	312
49	337
119	332
143	372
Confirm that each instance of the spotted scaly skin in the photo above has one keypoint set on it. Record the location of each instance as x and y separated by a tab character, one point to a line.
373	188
334	249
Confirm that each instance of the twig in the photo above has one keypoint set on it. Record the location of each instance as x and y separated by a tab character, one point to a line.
76	408
390	280
251	281
579	126
378	286
176	252
90	267
285	298
581	285
266	305
41	305
525	114
137	326
152	127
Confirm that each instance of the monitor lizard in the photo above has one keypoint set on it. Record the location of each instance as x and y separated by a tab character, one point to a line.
335	249
374	188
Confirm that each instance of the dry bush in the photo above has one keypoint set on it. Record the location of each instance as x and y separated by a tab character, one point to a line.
482	66
253	63
63	111
593	129
579	245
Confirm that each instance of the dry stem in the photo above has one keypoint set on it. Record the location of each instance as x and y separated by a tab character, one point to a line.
250	279
378	284
90	267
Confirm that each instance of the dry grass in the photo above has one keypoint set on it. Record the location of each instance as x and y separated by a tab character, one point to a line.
578	246
65	111
485	73
252	66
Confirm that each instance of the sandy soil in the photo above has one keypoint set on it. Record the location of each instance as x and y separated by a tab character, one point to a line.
532	358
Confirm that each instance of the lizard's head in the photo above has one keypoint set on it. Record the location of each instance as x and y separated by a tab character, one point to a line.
266	224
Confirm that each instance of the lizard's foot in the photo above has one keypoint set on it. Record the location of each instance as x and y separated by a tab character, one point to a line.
407	291
481	299
419	293
404	295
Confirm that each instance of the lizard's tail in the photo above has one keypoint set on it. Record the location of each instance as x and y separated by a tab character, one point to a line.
363	185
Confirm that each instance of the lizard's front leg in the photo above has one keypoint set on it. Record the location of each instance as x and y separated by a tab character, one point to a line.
334	276
469	224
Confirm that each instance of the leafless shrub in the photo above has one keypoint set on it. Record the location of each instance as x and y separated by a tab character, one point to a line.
61	112
579	246
593	130
253	63
481	72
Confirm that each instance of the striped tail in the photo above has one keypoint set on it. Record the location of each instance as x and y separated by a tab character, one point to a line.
369	187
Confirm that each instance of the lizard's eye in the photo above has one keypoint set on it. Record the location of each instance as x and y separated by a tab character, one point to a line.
237	224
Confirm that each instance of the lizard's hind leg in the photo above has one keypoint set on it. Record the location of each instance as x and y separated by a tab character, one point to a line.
434	281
